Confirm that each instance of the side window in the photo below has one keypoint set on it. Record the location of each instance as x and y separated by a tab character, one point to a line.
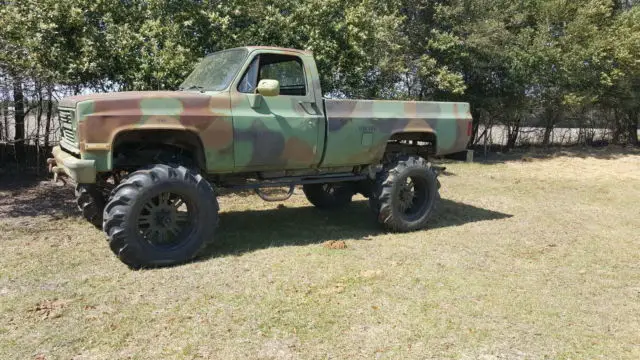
288	70
250	79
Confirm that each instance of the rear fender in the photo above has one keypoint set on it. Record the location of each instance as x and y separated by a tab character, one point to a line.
415	141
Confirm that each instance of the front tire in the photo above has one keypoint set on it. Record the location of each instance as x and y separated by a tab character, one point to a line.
405	195
160	216
91	203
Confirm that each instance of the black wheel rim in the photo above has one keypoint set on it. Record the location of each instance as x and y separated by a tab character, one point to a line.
166	220
413	197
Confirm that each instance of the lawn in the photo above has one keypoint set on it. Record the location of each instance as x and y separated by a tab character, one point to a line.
529	257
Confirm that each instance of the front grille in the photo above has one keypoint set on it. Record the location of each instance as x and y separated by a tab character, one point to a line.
69	139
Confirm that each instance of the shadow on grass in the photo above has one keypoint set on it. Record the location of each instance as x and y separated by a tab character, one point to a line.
31	196
18	182
246	231
611	152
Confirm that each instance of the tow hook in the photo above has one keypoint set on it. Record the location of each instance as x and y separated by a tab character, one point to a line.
58	172
51	162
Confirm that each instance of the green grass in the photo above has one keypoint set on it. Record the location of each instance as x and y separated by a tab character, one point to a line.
525	260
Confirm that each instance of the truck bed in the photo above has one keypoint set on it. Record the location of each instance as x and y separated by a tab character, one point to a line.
358	130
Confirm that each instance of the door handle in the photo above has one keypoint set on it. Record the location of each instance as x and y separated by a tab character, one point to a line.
310	104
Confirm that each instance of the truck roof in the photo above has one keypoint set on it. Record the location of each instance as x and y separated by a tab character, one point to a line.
275	48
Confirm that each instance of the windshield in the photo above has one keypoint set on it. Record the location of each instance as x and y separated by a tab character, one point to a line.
215	71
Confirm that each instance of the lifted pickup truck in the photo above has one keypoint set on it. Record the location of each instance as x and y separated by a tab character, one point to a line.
146	163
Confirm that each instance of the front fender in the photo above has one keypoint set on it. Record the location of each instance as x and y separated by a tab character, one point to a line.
103	119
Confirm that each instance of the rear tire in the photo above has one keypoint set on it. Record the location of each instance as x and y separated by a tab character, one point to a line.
329	196
405	195
160	216
91	203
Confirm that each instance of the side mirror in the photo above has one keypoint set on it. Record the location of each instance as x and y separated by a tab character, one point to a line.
268	87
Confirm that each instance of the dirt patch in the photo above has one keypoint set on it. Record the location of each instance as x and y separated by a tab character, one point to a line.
31	198
335	244
50	309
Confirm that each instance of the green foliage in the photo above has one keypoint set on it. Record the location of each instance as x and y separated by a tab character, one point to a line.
509	59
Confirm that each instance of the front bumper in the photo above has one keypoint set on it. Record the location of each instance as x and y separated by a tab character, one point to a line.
63	163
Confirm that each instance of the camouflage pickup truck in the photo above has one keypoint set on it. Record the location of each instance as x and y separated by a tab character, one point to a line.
147	164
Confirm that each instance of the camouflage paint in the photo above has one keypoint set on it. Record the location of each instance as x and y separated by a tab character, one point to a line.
282	132
246	132
101	117
358	130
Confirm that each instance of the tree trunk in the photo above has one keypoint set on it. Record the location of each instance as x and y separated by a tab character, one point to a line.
618	126
5	113
47	126
512	135
512	138
547	134
38	125
632	128
550	123
2	115
552	115
475	115
18	103
38	114
548	126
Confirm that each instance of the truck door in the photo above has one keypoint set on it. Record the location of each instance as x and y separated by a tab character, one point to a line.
280	132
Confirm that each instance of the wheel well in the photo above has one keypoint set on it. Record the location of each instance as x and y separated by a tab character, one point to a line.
135	148
414	143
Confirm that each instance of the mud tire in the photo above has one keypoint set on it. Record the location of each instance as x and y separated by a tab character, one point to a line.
91	203
386	200
121	215
329	196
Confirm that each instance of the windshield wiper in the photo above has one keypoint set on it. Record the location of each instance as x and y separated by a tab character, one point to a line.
193	87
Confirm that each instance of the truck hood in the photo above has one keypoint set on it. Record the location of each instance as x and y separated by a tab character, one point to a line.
72	101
